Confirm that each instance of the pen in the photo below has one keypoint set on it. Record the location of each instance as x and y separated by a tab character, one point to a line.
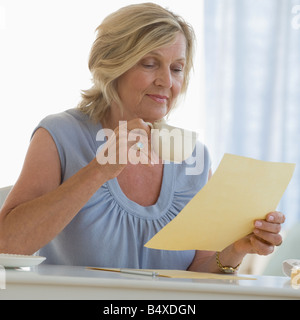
140	272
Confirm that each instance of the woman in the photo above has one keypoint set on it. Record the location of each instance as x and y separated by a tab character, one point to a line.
76	209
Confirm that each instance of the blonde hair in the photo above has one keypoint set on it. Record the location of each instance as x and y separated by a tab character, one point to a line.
123	39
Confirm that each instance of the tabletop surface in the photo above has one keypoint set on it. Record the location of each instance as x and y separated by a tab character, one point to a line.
51	275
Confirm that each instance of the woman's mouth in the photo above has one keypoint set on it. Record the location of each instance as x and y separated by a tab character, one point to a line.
158	98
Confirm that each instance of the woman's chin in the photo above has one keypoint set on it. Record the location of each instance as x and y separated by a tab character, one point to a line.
156	115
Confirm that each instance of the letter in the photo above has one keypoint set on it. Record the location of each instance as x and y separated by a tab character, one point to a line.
132	153
133	311
123	142
106	153
116	310
173	309
106	310
151	309
182	309
198	159
193	310
125	310
173	152
165	309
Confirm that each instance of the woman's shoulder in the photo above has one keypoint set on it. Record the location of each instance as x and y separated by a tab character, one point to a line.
71	122
69	116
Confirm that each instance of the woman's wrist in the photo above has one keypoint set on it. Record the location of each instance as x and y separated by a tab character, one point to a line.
96	173
229	259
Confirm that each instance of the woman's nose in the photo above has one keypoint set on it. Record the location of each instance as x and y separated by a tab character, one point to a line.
164	78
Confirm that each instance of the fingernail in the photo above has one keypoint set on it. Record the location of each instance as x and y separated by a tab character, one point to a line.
270	218
258	224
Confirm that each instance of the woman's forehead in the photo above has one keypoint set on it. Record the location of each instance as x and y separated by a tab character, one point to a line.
177	49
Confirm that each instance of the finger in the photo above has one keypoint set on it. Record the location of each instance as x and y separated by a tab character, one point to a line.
260	247
267	226
275	217
272	223
140	152
149	124
144	149
270	238
138	131
147	153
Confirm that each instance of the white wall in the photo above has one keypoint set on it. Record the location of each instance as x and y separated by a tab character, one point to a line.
44	48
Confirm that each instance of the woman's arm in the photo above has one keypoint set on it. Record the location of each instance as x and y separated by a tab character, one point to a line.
38	207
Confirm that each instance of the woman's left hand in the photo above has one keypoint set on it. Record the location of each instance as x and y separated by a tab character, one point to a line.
265	236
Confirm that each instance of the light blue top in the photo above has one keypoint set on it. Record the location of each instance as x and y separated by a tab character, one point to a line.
111	230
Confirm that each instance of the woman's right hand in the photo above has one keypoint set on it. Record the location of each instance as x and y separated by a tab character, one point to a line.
121	148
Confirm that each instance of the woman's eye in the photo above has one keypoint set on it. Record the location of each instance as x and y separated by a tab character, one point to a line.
178	69
148	65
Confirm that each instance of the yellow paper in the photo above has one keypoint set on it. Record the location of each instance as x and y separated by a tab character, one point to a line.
223	211
182	274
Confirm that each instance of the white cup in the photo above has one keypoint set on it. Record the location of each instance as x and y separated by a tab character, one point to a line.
172	143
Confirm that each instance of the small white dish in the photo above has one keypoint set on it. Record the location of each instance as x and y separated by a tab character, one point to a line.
18	261
288	265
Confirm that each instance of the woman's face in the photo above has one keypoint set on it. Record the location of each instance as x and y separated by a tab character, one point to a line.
149	89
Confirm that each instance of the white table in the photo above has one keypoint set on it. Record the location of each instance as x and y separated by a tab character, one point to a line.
66	282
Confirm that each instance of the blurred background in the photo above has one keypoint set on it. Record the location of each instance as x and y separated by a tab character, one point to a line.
244	96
